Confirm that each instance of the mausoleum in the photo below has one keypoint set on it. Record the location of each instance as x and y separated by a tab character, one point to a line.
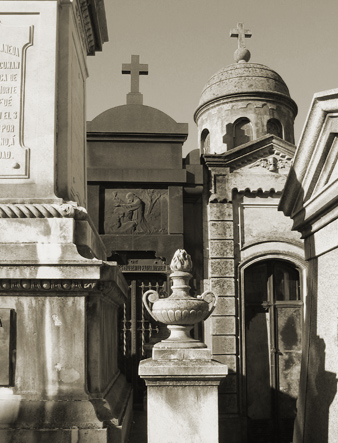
221	205
92	215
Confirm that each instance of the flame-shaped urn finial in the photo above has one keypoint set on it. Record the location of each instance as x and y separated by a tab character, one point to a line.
180	311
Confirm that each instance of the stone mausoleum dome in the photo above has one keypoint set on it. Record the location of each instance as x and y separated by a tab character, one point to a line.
137	119
243	78
243	102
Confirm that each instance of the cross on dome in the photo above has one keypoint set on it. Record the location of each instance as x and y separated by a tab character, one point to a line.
135	69
241	54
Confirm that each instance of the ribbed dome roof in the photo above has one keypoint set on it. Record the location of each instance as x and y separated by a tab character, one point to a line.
240	78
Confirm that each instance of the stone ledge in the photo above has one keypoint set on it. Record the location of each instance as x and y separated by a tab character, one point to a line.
183	369
181	354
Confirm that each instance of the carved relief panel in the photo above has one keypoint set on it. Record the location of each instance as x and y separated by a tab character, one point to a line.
136	211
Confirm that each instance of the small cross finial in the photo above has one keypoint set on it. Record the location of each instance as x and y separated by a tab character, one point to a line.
135	69
241	54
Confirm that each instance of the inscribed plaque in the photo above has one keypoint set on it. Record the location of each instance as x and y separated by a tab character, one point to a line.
14	156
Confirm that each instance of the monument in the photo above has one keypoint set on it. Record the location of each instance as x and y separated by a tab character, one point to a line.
59	376
182	379
145	203
252	259
310	200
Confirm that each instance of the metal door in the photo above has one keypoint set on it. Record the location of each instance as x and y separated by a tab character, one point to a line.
273	325
138	331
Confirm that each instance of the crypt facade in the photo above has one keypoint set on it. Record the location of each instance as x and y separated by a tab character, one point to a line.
221	204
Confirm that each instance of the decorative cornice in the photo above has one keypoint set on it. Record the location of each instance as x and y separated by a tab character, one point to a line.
251	152
91	22
137	137
47	285
29	210
85	21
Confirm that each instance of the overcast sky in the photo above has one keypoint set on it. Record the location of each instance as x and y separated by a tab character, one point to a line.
185	42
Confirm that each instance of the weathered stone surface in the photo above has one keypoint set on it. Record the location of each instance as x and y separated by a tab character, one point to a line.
311	189
261	221
181	354
229	360
223	325
37	88
223	286
225	306
182	400
221	267
221	248
221	230
223	344
54	435
220	211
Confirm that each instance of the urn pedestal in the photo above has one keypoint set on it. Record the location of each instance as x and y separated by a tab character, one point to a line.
181	377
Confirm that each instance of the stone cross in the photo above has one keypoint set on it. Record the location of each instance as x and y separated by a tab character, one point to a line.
135	69
241	34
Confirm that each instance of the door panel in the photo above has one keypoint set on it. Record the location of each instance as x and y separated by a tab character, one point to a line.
258	360
289	356
273	325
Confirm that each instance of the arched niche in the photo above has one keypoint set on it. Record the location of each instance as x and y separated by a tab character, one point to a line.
242	131
205	141
274	127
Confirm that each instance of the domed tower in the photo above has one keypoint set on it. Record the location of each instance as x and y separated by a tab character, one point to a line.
253	260
243	102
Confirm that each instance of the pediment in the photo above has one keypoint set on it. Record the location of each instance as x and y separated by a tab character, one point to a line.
258	166
268	154
312	185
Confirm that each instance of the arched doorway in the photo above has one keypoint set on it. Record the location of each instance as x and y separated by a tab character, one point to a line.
272	334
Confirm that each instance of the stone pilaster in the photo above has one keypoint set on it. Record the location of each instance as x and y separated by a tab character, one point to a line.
222	282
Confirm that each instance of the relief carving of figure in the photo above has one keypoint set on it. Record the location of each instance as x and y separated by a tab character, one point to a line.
128	217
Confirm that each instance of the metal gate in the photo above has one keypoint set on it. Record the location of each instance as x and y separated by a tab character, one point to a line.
138	331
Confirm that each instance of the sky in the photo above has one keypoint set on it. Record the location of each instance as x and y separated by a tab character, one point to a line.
184	42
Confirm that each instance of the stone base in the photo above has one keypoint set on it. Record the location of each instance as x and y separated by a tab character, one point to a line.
53	435
83	421
182	397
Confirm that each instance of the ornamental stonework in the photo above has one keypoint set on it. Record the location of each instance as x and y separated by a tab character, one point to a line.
274	163
136	211
46	285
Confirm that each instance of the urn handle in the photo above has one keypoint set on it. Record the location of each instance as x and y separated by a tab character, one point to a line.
211	299
150	296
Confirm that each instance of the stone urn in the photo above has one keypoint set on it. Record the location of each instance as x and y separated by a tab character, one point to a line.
180	311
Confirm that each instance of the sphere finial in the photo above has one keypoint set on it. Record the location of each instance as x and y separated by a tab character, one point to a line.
242	54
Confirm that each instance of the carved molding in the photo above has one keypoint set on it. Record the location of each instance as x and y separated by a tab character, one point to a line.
87	27
273	163
47	285
109	291
28	210
217	198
